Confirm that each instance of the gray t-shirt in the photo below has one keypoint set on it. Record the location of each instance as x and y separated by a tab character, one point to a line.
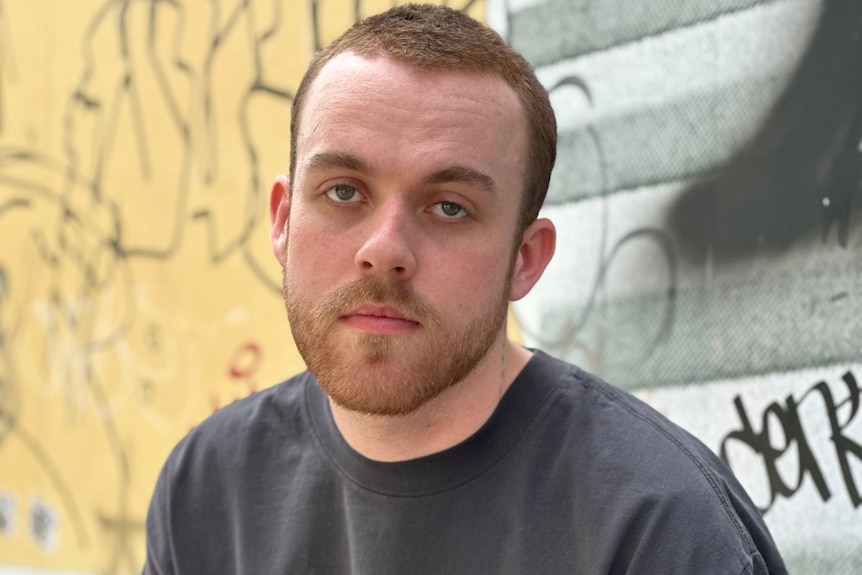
569	475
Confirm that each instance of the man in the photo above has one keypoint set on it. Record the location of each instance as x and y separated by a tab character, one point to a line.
422	440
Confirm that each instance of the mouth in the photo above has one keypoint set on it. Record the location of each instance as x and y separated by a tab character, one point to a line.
381	320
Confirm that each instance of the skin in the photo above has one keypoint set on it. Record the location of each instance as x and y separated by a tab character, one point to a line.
411	179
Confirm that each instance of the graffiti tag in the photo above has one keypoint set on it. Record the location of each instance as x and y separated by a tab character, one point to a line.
781	433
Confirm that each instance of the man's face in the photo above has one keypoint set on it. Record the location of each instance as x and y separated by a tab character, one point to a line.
401	230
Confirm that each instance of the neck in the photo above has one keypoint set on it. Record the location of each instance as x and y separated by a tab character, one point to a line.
444	421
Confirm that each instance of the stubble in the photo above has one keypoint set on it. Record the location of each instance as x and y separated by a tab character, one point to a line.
389	374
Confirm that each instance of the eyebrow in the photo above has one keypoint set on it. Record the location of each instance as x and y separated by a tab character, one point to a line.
447	175
463	174
336	159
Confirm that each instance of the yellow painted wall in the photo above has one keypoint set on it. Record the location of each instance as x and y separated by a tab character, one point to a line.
138	293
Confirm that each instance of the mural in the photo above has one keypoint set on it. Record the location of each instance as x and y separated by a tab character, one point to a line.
705	197
707	203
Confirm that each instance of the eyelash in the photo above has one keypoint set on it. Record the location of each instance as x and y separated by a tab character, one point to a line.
462	213
331	193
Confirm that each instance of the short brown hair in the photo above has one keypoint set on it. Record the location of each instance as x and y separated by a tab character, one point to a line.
440	38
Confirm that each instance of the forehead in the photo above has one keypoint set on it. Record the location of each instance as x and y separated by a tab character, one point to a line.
349	75
355	101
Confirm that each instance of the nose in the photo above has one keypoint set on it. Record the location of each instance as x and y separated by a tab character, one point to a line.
387	247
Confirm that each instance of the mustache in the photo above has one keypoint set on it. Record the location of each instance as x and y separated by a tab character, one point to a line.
372	290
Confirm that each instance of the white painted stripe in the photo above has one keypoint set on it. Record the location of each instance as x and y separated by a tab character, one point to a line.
766	41
588	230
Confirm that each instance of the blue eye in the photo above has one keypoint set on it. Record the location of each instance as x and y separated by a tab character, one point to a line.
449	210
343	193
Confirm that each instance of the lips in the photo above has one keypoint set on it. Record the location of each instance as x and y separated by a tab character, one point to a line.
380	320
379	311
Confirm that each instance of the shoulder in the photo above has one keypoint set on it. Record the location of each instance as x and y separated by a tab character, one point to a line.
237	435
607	423
257	441
640	475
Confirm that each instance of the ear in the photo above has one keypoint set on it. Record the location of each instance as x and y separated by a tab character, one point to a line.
536	250
279	211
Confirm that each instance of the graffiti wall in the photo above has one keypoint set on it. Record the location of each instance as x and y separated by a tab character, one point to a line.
710	235
138	291
705	197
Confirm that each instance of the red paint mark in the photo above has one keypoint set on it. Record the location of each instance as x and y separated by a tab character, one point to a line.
242	368
244	363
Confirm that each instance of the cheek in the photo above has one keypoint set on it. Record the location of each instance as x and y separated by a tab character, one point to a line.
469	280
316	259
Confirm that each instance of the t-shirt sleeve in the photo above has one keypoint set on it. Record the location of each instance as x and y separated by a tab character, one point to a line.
667	504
